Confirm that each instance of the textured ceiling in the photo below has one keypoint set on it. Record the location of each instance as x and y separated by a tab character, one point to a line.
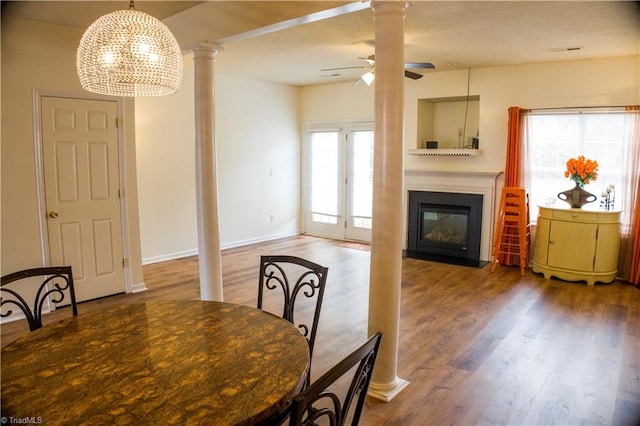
291	42
82	13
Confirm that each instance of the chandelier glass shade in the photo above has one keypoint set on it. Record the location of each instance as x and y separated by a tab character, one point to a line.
129	53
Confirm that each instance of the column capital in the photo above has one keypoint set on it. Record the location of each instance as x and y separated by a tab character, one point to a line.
205	49
381	6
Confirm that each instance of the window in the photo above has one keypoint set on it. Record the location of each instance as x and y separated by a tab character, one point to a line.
555	137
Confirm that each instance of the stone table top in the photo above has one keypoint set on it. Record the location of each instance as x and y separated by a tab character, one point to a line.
169	362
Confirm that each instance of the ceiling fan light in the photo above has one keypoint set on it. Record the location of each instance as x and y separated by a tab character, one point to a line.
368	77
129	53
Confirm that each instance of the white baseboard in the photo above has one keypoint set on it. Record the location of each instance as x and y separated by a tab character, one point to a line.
224	246
258	240
169	256
139	287
16	315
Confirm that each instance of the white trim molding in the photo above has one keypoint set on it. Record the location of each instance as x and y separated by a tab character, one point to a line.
37	95
444	152
223	246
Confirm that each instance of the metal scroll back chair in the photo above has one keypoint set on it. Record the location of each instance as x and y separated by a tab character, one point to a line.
301	284
57	280
319	402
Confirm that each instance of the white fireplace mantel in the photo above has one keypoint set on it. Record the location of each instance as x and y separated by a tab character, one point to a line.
483	183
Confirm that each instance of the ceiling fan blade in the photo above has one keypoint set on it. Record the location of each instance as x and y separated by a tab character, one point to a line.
419	65
412	75
407	65
345	68
411	65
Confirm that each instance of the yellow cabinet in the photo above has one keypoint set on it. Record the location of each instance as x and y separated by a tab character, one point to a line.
577	245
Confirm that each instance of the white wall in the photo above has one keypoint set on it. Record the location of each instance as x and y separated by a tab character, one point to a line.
612	81
258	154
602	82
338	102
259	130
165	150
39	56
259	159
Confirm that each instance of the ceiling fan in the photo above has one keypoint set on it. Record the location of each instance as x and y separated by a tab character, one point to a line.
369	76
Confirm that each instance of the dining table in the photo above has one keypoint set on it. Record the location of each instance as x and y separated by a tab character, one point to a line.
161	362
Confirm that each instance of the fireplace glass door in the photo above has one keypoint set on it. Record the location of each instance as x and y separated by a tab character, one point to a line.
445	227
444	224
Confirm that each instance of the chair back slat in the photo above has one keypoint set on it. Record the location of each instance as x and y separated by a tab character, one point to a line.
318	401
297	285
57	280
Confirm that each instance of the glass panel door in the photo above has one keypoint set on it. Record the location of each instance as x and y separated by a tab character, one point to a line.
325	193
360	185
339	183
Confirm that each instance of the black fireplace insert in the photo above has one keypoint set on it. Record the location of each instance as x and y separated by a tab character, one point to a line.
445	227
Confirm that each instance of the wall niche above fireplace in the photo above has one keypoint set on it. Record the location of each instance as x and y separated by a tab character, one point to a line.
445	227
448	123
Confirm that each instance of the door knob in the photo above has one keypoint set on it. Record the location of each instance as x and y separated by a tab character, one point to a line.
53	214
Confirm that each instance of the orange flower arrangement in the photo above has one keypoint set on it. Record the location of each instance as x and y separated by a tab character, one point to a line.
581	170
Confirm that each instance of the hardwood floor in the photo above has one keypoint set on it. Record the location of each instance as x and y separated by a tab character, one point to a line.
477	347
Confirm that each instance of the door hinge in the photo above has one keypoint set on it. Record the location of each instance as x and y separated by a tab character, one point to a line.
120	193
125	262
117	122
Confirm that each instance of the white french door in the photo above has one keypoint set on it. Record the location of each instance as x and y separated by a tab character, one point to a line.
339	182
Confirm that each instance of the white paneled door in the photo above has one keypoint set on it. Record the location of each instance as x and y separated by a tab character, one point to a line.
81	178
339	183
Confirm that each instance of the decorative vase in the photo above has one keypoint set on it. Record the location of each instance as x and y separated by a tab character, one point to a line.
577	197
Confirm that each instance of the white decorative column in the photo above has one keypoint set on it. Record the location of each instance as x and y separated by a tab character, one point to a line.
387	234
209	257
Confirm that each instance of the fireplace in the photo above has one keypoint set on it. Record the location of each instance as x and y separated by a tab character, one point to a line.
484	184
445	227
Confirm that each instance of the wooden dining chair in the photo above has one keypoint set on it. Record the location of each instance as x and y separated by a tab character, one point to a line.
319	401
57	280
295	287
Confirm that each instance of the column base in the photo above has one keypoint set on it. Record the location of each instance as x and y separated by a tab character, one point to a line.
386	392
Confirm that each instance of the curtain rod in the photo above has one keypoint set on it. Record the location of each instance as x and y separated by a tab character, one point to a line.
627	107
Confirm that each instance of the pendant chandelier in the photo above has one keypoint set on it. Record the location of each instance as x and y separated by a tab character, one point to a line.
129	53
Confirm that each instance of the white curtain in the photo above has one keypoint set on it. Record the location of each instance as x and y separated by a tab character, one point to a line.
631	179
